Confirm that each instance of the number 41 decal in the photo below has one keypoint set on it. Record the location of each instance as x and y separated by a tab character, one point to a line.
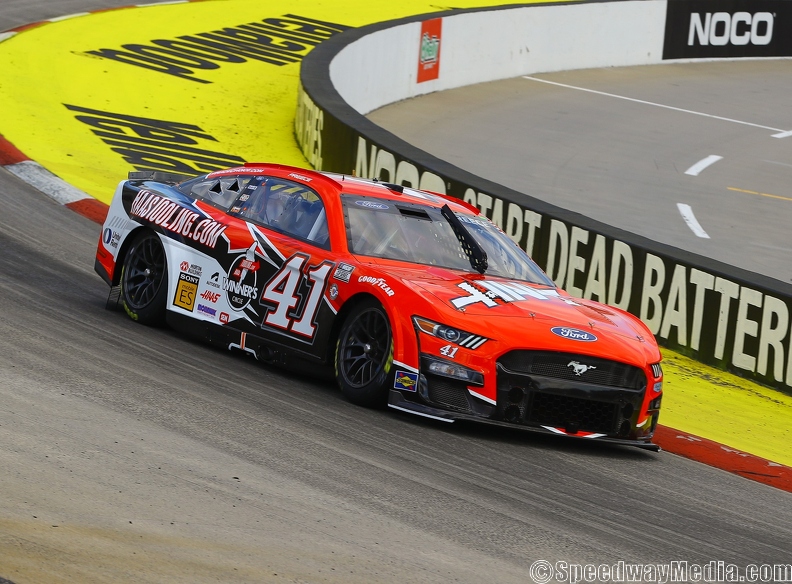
282	292
449	351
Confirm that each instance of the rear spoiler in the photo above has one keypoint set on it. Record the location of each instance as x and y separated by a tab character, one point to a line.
168	178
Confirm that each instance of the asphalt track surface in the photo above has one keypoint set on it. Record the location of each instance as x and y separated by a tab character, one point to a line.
616	144
132	454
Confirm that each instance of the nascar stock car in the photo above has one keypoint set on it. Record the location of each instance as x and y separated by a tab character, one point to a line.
413	298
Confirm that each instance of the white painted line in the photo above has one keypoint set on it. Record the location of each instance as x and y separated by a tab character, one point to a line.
677	109
702	164
68	16
783	134
690	219
55	187
4	36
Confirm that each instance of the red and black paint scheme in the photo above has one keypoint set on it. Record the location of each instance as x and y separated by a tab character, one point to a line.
412	298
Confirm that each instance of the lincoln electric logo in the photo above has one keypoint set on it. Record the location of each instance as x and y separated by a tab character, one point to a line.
722	28
573	334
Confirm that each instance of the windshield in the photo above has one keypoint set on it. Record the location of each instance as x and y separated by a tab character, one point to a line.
390	229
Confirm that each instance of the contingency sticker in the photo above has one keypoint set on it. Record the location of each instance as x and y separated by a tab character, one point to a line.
186	290
406	381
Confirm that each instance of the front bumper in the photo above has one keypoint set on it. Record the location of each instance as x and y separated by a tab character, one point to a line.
533	402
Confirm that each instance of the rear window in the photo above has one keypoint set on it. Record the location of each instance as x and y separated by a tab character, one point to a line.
220	192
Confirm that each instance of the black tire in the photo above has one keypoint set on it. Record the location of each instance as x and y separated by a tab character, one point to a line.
364	355
144	280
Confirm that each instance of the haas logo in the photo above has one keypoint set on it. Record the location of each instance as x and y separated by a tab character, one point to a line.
579	368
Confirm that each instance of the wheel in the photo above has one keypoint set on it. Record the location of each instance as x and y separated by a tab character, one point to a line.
144	280
364	355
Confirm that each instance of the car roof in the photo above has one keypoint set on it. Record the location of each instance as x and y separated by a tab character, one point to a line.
350	184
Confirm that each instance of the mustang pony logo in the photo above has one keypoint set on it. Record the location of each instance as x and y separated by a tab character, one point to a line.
579	368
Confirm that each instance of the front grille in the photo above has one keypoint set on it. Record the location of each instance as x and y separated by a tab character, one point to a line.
572	414
448	393
575	368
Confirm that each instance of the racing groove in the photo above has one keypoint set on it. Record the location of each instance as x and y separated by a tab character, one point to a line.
160	459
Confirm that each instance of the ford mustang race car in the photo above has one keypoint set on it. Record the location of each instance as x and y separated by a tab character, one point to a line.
414	299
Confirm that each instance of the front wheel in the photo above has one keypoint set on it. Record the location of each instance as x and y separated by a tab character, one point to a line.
364	355
144	280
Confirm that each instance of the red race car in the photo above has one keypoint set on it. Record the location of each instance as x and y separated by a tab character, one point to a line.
415	299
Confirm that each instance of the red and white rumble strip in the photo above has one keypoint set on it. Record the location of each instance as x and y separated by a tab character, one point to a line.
32	172
15	162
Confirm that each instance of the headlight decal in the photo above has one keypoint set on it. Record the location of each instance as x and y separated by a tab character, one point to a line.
450	334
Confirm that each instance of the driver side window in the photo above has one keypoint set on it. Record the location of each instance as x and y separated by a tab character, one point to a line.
287	207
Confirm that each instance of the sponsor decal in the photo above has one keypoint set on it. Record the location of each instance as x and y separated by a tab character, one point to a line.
378	282
210	296
111	238
372	205
406	381
186	291
244	264
300	177
239	295
277	41
494	293
574	335
746	28
193	269
241	283
343	272
207	310
149	144
658	387
224	317
429	50
171	216
333	291
214	280
579	368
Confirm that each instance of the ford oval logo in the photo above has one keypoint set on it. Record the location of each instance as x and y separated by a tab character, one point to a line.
573	334
372	205
108	235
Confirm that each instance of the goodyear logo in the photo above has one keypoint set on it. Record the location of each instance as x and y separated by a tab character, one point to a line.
406	381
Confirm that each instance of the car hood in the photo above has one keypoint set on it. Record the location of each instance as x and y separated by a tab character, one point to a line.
531	315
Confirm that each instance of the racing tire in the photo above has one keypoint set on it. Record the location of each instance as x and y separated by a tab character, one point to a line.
364	355
144	280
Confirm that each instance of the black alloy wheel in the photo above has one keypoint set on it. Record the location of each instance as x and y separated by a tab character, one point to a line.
364	355
144	280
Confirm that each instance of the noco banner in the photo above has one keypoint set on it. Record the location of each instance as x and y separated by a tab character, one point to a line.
716	313
700	29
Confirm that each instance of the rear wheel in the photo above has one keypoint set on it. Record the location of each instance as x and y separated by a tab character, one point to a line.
364	355
144	280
